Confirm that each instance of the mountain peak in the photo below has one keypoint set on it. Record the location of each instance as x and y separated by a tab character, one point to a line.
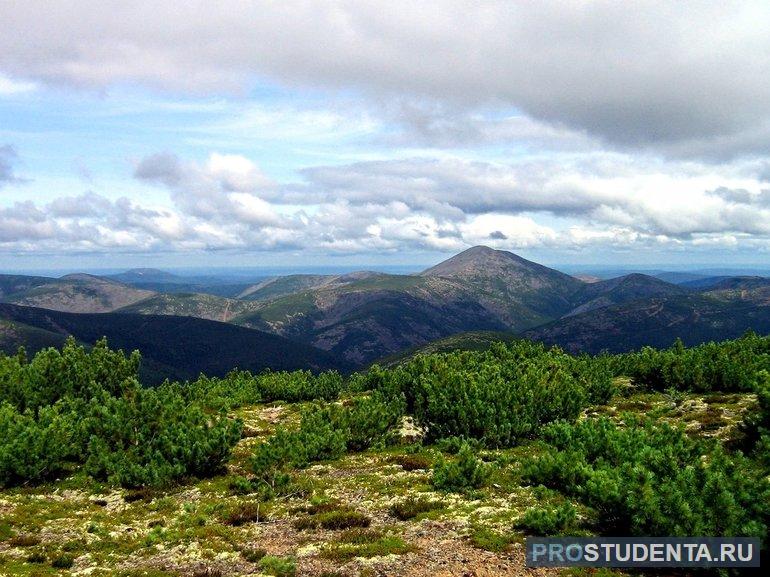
482	261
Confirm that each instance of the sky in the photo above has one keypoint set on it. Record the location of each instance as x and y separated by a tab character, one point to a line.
320	133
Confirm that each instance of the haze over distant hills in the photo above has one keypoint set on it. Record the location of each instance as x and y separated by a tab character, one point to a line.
357	318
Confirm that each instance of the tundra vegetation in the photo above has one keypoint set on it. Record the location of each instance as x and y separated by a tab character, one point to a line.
443	463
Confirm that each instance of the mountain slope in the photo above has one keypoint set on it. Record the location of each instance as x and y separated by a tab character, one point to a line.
369	318
521	292
288	285
621	290
202	306
180	347
78	293
11	284
656	322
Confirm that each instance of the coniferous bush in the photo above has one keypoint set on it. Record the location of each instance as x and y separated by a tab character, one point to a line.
500	396
325	432
729	366
650	479
466	472
63	409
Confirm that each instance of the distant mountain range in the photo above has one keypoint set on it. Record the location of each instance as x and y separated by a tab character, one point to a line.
351	320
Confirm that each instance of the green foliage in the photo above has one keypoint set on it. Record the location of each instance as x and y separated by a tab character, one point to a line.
34	448
325	432
466	472
73	372
240	388
501	395
78	407
485	538
152	436
365	543
413	507
649	479
336	518
729	366
278	566
549	520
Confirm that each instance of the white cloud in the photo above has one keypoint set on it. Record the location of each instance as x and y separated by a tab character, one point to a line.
10	87
582	201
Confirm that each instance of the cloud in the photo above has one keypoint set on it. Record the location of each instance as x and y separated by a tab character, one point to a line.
585	201
659	73
10	87
8	158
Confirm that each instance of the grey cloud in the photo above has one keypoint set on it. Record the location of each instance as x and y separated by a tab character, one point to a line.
8	159
743	196
88	204
163	168
633	73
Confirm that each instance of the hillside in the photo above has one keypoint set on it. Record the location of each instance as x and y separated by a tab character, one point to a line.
367	319
655	322
182	347
622	290
11	284
78	293
198	305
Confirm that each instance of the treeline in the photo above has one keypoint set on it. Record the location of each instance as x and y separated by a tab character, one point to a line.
79	410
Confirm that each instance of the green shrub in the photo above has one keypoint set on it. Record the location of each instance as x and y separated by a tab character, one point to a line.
73	372
413	507
466	472
650	479
412	462
549	520
499	396
63	562
152	437
77	407
729	366
484	538
36	447
325	432
343	519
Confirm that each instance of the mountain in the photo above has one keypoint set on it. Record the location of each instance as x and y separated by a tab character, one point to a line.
172	347
656	322
728	283
622	290
79	293
522	293
11	284
372	317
